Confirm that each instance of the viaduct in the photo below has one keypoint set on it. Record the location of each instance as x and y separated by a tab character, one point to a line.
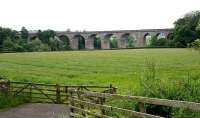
89	37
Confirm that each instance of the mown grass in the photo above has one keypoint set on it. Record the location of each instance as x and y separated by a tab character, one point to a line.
122	68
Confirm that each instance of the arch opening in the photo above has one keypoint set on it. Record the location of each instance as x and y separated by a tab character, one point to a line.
113	41
97	41
147	39
81	41
128	39
160	36
66	42
170	36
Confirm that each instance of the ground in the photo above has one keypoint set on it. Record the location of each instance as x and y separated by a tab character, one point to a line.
36	111
122	68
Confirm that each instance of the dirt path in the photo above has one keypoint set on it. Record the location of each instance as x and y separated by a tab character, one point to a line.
37	111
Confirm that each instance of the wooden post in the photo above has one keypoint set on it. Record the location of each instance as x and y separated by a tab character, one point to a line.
30	91
71	102
4	86
102	101
80	98
66	93
111	88
142	107
58	97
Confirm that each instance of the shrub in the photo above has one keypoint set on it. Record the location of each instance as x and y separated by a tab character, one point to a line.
187	89
8	45
196	44
8	101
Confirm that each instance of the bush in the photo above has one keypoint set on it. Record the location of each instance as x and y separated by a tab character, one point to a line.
187	89
8	101
8	45
37	45
196	44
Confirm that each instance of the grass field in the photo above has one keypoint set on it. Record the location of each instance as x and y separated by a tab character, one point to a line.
122	68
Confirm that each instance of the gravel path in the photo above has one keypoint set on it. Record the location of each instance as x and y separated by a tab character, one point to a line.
37	111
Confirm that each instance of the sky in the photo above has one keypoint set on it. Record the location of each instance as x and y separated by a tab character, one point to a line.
93	15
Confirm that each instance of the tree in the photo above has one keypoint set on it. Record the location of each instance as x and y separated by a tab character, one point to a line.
45	36
113	42
8	45
185	29
131	42
66	42
56	44
196	44
6	33
97	43
24	33
37	45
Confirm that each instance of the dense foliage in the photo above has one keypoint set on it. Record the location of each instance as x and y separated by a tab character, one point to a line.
13	41
196	44
186	89
187	29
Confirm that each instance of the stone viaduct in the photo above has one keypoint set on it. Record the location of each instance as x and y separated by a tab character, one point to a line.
104	36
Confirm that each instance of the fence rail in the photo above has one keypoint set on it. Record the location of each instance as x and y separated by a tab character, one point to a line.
76	101
87	101
53	93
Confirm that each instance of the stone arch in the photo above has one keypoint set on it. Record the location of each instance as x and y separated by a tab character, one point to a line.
160	35
147	39
170	36
114	41
105	42
66	41
96	41
80	41
123	40
127	40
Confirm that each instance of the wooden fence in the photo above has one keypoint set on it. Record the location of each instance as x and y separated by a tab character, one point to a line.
52	93
87	101
79	103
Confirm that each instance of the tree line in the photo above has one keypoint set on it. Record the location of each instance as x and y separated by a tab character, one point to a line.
14	41
186	33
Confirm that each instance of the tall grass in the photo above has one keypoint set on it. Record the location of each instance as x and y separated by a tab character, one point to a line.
187	89
8	101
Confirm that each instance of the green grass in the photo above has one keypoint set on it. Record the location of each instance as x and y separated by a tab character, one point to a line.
122	68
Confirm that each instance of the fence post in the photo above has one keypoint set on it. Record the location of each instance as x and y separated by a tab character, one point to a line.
102	101
142	107
80	98
4	86
58	97
30	91
71	102
66	93
8	86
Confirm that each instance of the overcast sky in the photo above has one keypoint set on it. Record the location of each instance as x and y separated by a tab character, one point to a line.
93	14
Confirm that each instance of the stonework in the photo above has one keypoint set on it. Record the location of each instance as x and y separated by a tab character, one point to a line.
89	37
